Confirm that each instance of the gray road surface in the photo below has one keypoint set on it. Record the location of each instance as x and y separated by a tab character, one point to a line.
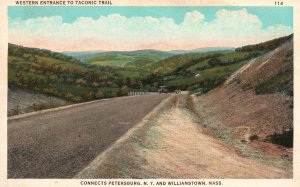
58	144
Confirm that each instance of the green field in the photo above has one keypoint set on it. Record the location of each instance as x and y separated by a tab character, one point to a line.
123	58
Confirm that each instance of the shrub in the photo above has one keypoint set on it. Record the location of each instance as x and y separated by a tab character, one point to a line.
284	139
253	137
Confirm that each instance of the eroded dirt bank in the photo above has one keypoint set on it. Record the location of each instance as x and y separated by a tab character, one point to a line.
253	109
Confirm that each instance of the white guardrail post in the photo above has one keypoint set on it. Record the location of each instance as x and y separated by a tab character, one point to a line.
140	93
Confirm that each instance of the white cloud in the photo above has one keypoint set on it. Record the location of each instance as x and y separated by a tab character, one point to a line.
117	32
193	18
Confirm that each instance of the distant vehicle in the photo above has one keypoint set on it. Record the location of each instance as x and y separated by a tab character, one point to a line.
177	91
162	89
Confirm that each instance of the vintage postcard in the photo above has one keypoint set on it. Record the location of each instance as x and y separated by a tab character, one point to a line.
149	93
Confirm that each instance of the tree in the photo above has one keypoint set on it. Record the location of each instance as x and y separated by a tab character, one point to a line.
95	84
53	78
99	94
90	95
80	82
69	96
69	80
124	90
214	62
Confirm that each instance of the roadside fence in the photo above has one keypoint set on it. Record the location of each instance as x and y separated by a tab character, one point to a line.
141	93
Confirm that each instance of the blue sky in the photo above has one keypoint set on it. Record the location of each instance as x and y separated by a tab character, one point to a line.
133	28
268	15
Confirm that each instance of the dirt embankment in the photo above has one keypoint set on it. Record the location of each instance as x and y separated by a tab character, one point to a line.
252	110
174	145
23	101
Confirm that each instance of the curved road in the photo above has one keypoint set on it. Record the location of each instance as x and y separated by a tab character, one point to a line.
58	144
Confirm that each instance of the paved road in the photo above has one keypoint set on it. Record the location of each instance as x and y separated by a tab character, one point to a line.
58	144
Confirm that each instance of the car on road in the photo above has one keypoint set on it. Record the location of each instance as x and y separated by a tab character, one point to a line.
162	89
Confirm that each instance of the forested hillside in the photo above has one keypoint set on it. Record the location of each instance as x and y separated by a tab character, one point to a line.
63	76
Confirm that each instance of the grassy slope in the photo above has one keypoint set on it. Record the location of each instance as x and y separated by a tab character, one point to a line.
122	58
178	72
